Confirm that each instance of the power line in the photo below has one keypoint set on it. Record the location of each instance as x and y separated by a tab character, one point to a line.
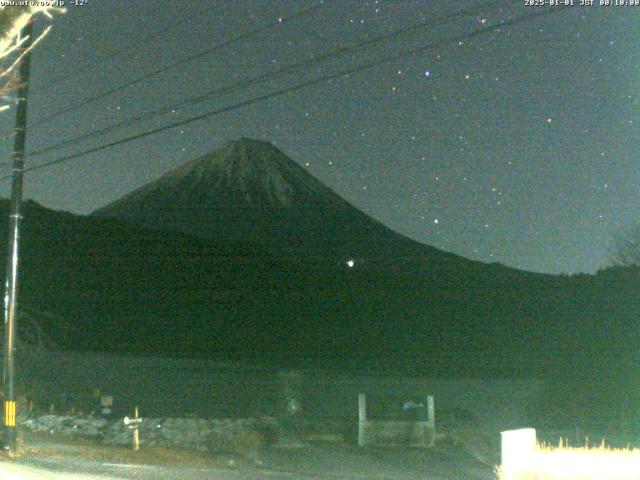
295	88
300	86
268	76
182	61
115	52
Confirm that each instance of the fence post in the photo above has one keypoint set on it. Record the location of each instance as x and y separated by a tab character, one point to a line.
290	414
136	432
431	419
362	419
134	424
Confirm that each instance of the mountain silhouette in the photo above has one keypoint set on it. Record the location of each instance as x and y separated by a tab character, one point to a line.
248	191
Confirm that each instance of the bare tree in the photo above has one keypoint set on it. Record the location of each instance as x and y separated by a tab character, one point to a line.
12	21
626	247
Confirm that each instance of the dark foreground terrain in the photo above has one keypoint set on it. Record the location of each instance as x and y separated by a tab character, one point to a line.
45	457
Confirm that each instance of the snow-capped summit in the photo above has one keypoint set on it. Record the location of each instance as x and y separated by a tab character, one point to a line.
248	173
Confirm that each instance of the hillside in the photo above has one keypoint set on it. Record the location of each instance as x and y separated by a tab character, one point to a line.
115	287
125	288
348	289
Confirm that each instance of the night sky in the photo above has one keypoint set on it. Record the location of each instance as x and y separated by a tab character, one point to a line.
517	146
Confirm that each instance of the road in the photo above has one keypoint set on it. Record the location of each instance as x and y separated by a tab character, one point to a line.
316	463
43	469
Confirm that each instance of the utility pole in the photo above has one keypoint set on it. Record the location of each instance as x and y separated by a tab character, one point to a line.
11	286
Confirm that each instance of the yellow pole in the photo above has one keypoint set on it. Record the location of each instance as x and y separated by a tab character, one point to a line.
136	437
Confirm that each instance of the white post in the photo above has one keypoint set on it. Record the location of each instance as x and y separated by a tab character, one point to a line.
362	418
518	448
431	418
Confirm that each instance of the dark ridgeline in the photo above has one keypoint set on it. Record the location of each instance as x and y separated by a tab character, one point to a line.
241	254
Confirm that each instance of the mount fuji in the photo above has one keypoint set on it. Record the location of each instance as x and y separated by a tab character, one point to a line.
248	191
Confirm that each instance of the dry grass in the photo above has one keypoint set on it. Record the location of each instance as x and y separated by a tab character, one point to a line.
578	463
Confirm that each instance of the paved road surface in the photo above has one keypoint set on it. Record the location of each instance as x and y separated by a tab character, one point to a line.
315	463
90	470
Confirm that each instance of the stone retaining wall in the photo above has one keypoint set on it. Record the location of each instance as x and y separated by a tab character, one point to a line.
223	435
